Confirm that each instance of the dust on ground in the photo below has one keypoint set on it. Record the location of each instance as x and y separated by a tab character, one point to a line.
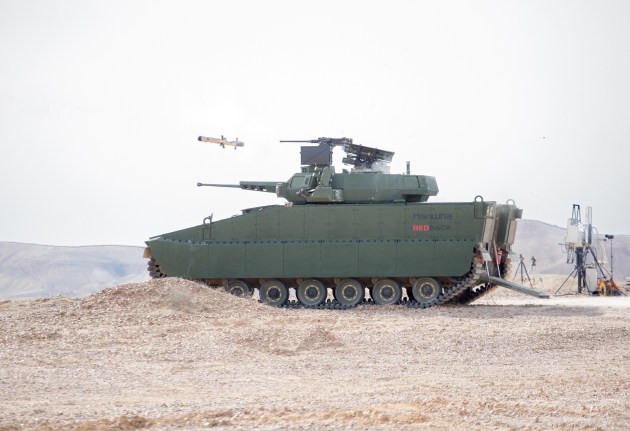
173	354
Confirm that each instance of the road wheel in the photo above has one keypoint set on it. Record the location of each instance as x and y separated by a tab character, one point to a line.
386	292
274	293
426	290
239	288
311	292
349	292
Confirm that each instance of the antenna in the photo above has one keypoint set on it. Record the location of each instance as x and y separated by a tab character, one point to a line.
580	250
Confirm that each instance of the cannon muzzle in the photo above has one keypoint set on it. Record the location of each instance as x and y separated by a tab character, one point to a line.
235	186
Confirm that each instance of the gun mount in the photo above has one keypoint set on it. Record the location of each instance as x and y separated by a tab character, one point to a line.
358	156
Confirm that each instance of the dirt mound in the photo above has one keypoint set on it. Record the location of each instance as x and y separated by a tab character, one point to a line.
173	294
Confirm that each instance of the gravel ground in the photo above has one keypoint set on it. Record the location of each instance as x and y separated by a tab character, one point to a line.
171	354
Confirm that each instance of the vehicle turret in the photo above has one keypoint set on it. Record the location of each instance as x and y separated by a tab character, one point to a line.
369	181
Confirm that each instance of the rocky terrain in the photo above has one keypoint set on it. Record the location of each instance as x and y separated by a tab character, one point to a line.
171	354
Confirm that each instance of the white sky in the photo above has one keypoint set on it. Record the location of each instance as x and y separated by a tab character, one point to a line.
101	103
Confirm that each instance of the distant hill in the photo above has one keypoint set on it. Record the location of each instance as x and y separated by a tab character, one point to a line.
30	270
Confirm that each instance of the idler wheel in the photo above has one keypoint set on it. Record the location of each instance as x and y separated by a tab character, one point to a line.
154	269
311	292
426	290
386	292
349	292
239	288
274	293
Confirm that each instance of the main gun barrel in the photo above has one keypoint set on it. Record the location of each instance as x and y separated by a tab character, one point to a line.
258	186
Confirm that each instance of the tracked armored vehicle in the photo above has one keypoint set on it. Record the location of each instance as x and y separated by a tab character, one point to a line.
343	239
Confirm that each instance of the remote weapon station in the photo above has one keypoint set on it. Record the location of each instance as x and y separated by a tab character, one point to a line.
356	233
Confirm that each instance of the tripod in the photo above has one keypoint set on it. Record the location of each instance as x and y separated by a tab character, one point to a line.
523	270
580	271
573	274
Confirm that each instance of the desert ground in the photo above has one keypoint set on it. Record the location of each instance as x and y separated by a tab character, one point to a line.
171	354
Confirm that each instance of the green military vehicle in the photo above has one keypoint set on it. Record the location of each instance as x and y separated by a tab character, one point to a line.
347	233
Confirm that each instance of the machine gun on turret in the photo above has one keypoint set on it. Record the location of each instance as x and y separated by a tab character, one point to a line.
332	142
